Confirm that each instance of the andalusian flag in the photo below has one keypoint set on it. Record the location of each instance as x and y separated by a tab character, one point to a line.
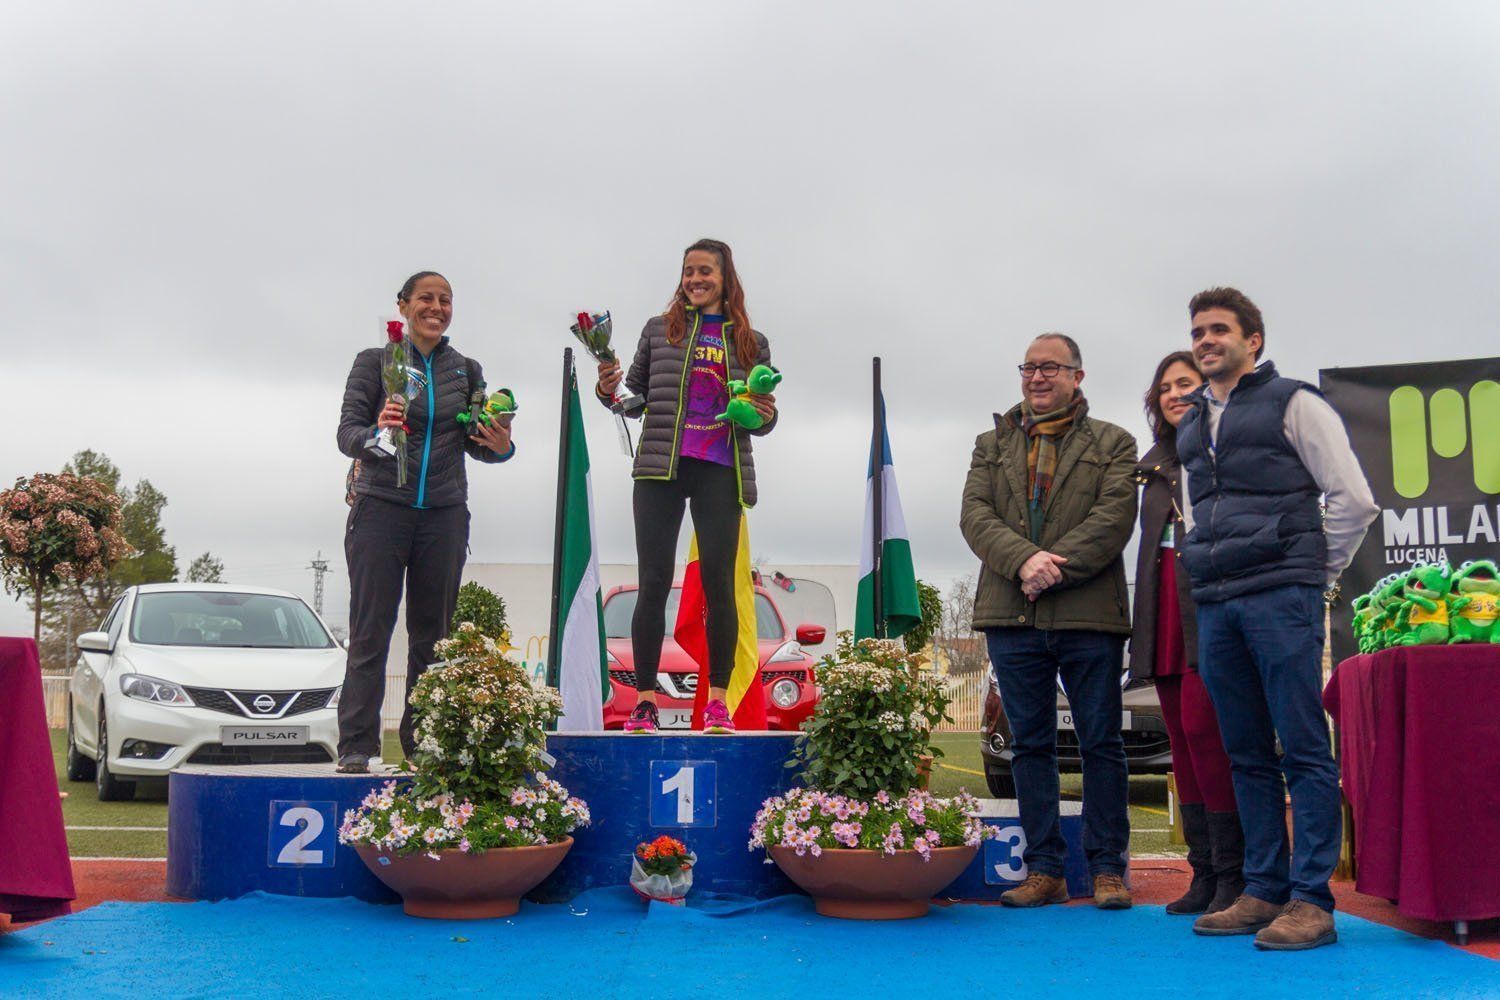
582	676
746	700
899	603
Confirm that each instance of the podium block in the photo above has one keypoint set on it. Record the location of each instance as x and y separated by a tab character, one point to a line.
998	866
266	828
703	790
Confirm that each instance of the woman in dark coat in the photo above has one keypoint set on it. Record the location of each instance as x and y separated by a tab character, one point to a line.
1164	647
690	459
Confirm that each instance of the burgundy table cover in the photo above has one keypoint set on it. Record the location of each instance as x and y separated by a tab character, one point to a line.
36	879
1419	751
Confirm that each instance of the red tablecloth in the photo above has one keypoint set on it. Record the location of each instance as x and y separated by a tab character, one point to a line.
1419	749
36	879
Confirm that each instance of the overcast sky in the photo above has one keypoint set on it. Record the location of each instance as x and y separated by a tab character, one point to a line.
208	205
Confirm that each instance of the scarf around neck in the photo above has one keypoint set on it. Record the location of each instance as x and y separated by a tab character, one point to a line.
1044	430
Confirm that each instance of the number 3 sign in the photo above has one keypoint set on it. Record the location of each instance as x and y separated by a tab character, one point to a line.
302	834
684	793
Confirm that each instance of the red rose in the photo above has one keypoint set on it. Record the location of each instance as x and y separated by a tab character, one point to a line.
394	330
406	428
585	322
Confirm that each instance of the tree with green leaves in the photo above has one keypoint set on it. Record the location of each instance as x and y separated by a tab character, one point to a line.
78	606
207	568
482	606
931	603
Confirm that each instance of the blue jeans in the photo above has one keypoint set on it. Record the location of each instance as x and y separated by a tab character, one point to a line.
1027	662
1261	658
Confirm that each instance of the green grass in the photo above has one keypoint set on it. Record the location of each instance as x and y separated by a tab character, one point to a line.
83	808
960	767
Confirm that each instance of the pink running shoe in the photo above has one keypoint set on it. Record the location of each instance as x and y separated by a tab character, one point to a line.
643	719
716	718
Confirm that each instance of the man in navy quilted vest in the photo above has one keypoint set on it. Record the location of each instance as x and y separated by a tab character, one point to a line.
1277	506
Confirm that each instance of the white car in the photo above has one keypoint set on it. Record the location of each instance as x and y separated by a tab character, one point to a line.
201	673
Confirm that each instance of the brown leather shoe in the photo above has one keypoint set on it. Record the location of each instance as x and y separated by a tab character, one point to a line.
1110	892
1037	890
1245	916
1302	925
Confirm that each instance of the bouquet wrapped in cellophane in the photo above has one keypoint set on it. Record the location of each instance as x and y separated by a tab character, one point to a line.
394	375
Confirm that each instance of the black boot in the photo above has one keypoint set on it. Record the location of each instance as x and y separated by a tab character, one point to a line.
1228	843
1200	855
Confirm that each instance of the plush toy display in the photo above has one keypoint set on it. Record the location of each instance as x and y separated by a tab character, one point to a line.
762	381
1475	603
482	410
1423	621
1430	605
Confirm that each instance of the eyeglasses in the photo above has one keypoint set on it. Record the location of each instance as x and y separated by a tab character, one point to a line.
1049	369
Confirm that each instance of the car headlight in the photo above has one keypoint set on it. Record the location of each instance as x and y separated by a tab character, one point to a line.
789	651
153	689
333	699
786	692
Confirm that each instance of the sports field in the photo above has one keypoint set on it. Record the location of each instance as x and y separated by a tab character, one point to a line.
138	829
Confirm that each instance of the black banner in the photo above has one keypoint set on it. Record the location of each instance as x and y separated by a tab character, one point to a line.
1428	437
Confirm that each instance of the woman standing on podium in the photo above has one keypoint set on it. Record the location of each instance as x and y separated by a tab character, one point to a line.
690	459
415	534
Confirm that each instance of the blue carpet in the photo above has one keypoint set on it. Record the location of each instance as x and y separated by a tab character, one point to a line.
606	944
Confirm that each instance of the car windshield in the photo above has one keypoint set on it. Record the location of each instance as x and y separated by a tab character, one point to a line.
217	618
620	608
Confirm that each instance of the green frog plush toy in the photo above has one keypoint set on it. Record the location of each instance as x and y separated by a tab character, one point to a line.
1474	603
502	402
763	380
1387	601
1424	619
1364	615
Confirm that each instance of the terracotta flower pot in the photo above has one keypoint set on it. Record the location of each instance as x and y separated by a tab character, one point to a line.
873	885
463	886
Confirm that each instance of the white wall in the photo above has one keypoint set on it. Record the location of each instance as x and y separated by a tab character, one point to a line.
527	590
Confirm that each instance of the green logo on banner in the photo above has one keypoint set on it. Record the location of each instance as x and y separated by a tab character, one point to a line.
1452	430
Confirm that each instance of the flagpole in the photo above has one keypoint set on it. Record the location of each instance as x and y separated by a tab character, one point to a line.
554	627
877	484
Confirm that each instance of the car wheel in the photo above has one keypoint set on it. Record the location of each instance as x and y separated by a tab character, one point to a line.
111	789
80	768
1002	783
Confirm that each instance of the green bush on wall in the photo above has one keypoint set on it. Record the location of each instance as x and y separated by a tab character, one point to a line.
482	606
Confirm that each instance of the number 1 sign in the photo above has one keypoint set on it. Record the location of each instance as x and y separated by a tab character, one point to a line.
684	793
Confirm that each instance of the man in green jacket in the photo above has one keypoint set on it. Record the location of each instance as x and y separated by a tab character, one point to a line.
1048	507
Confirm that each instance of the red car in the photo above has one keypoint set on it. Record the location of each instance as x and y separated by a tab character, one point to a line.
786	671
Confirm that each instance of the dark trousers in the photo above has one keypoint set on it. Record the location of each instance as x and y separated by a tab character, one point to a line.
386	545
1261	656
1027	663
712	492
1198	759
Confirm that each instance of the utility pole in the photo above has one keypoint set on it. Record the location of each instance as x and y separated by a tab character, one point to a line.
319	567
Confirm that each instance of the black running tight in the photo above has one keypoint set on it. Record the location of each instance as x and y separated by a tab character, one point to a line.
712	492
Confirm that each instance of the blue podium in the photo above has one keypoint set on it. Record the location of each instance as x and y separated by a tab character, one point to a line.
266	828
274	828
703	790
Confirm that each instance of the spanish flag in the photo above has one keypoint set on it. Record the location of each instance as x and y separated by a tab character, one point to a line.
746	700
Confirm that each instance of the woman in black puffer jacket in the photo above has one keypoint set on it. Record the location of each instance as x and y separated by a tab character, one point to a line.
417	533
688	457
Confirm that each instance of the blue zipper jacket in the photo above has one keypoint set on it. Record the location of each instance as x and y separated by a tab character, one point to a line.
436	443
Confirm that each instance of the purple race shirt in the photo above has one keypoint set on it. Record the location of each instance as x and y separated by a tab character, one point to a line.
703	436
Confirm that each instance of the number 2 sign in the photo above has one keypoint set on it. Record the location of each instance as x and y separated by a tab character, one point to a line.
302	834
684	793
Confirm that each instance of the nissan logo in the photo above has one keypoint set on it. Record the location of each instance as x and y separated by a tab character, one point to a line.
264	703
